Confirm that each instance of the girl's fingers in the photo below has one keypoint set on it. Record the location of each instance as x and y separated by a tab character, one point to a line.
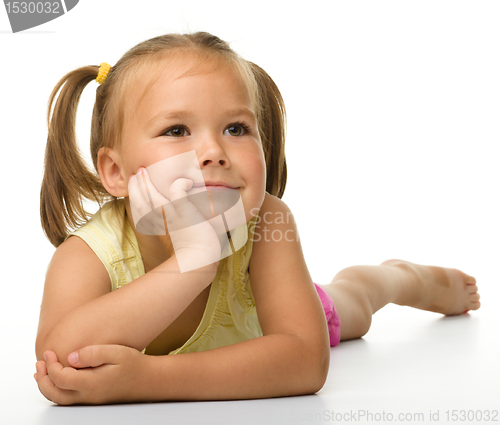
61	376
155	198
56	395
168	211
149	207
139	204
98	355
178	190
49	389
40	368
140	195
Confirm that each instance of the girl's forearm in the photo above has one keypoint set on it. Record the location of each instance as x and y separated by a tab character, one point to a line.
133	315
269	366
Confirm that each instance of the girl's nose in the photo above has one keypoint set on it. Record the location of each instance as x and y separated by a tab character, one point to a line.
211	152
209	161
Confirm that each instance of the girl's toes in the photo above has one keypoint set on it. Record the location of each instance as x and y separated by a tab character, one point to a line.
474	298
474	305
472	288
470	280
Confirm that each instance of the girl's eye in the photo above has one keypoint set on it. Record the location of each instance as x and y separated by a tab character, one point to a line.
238	129
176	131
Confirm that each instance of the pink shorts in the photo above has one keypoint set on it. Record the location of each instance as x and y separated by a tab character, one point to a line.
332	317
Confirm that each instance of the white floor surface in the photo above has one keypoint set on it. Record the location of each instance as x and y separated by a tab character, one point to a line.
412	366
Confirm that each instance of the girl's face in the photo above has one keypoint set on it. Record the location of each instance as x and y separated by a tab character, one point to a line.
210	113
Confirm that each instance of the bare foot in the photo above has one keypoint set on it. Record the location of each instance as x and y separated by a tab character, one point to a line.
438	289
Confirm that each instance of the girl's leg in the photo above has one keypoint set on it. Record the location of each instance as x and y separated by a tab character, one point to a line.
359	291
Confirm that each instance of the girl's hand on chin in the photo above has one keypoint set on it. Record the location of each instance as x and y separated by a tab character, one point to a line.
193	238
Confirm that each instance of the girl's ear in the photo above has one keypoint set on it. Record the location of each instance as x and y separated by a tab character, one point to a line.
111	172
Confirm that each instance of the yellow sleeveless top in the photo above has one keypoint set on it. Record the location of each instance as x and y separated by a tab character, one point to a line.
230	315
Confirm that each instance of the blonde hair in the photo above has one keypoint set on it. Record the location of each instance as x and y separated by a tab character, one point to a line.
67	179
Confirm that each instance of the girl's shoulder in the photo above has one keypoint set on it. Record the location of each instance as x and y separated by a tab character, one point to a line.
110	236
107	224
273	210
274	226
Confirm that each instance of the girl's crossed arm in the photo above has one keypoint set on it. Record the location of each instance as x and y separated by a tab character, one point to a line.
78	308
291	358
293	355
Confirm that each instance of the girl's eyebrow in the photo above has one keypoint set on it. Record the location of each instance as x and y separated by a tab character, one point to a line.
168	115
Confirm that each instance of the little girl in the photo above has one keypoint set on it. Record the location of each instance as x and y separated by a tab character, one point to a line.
252	325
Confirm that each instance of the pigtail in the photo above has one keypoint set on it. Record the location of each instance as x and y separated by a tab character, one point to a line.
272	123
66	177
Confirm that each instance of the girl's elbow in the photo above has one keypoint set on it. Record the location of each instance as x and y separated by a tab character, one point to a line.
322	369
317	372
61	350
316	384
40	348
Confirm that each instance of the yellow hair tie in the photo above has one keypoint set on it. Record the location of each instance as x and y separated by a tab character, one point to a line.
103	72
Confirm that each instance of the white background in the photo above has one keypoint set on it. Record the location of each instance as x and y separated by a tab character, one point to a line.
392	150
